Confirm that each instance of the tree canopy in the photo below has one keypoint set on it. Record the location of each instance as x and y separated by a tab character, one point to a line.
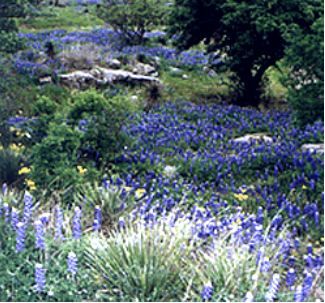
251	34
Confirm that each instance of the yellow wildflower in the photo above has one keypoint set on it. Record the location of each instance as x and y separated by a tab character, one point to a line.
127	188
14	147
241	197
304	187
140	192
81	170
31	184
24	170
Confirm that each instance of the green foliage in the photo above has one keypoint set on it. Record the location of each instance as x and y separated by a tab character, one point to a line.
250	34
9	11
305	56
138	263
69	18
110	201
9	166
17	270
71	141
101	120
54	159
132	18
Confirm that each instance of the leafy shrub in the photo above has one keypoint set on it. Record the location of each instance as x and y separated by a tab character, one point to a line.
101	121
306	78
9	166
70	142
251	34
133	18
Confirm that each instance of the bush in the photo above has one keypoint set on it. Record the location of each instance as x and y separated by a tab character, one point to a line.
304	56
101	121
72	141
9	166
133	18
250	34
138	263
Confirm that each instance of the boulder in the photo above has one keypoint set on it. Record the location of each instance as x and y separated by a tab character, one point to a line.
253	138
313	148
100	76
143	69
114	63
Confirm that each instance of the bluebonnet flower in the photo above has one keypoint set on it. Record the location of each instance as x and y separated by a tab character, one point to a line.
265	265
39	235
307	284
6	209
273	288
20	236
249	297
310	249
97	218
28	204
207	292
291	277
4	188
298	295
40	279
58	234
72	263
121	222
76	223
14	218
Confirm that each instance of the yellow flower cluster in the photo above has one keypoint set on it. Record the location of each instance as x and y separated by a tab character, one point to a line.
241	197
81	170
140	193
30	184
24	170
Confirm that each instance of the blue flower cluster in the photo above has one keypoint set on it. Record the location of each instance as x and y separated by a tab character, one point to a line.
108	40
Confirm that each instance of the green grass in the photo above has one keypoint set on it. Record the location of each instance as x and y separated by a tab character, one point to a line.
68	18
199	87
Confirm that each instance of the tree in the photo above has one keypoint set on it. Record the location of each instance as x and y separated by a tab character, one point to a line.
249	33
305	57
9	11
133	18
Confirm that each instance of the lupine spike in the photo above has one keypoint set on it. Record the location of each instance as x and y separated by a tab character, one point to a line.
307	284
7	212
39	235
14	218
249	297
291	277
58	224
97	219
28	203
207	292
76	223
40	279
20	237
298	295
273	289
72	263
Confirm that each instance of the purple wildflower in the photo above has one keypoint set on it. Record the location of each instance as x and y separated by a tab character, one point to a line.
40	278
14	218
97	218
39	235
291	277
58	223
76	223
28	203
20	236
273	288
72	263
207	292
